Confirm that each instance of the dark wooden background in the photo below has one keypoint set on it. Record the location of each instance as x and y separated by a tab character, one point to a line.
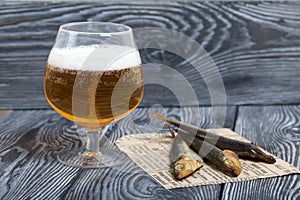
256	47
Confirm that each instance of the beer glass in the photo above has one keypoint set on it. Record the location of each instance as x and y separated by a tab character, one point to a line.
93	77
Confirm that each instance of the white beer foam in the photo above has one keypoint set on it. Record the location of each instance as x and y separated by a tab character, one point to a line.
95	57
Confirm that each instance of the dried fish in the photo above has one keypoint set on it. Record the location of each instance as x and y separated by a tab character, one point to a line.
227	161
184	161
243	149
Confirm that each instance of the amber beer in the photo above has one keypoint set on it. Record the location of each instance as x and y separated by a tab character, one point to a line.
95	97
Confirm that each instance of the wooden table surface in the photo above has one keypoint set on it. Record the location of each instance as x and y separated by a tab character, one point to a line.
256	47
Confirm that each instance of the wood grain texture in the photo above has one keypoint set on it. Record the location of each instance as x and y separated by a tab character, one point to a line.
256	47
30	140
276	129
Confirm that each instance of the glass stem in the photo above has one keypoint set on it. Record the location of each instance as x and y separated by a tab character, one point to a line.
92	144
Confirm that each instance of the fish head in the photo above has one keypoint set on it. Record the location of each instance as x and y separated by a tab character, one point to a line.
258	154
232	163
185	166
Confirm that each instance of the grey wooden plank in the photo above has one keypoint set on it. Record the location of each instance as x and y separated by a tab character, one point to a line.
256	47
30	140
276	129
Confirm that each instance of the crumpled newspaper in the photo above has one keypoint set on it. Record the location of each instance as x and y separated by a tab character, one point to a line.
151	153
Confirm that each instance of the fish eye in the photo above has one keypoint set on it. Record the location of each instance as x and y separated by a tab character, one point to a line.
179	166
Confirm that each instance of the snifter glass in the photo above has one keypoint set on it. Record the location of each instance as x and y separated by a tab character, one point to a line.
93	77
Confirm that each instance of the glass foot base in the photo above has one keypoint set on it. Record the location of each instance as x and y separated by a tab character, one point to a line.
105	158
